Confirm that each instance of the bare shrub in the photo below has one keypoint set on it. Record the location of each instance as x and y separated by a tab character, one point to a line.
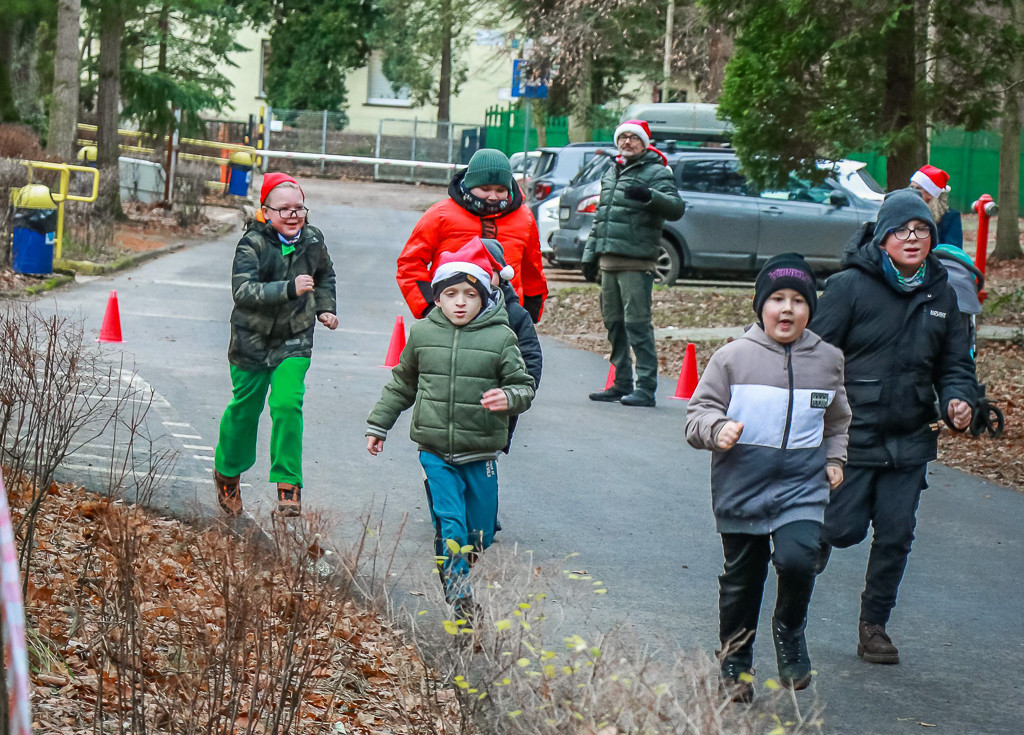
189	190
20	141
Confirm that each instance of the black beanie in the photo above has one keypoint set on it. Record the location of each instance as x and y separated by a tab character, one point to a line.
788	270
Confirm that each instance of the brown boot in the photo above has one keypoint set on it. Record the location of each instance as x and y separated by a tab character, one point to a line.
875	645
229	495
289	499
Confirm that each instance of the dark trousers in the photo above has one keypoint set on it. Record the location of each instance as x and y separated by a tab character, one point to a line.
793	550
626	310
886	500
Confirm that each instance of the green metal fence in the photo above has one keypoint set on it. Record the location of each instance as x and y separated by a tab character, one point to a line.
505	130
970	159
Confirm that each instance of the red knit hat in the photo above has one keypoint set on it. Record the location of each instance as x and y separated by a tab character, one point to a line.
932	180
272	181
639	128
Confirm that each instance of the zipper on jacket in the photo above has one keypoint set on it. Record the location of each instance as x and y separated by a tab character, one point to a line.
451	396
789	406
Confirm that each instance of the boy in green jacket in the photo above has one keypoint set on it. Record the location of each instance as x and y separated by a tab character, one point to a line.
282	281
463	372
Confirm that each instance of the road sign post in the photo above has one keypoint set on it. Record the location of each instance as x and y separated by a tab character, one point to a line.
529	85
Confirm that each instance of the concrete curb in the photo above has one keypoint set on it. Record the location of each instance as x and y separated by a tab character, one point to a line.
710	334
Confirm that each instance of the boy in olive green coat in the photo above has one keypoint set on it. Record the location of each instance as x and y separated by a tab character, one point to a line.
463	372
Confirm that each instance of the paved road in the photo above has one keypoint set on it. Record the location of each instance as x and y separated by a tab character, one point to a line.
617	485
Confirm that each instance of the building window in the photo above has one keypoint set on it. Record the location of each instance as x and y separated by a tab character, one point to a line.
264	64
379	90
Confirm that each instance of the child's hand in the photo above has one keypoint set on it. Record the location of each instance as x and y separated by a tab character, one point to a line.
835	476
495	400
374	445
729	434
303	284
329	320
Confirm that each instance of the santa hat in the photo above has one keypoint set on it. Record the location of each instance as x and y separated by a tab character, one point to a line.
497	252
932	180
272	181
638	128
471	263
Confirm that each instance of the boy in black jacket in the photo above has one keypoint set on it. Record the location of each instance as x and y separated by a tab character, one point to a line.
895	317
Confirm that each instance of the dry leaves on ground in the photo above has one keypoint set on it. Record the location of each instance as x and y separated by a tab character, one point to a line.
360	671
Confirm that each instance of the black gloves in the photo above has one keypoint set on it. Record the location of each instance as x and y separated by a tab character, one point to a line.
639	193
533	306
591	271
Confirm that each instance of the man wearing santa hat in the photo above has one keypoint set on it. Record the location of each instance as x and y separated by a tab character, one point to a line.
933	184
637	195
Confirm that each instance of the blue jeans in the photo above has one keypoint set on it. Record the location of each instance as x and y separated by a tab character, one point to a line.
463	502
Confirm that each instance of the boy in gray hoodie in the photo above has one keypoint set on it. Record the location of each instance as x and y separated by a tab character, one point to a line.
772	408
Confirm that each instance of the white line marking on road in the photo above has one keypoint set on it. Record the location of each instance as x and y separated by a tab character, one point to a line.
195	284
197	447
186	436
176	478
175	423
202	458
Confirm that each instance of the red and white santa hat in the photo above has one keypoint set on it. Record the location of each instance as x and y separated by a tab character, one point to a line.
472	263
932	180
639	128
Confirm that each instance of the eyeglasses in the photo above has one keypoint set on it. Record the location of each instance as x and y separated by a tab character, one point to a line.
628	137
903	233
300	212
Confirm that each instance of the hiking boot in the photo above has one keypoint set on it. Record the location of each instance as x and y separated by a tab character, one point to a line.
609	395
638	398
875	645
791	654
229	495
737	681
289	500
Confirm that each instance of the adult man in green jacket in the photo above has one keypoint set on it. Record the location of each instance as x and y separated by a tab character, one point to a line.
637	195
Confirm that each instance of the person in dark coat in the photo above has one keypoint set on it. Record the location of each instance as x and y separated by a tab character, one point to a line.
894	315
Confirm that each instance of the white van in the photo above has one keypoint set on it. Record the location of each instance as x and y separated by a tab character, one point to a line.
681	121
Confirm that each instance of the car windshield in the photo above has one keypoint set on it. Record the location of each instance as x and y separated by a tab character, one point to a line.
545	163
592	170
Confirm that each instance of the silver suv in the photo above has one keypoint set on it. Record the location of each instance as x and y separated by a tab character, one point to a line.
730	225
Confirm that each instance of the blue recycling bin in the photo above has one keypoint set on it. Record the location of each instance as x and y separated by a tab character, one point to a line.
240	163
35	223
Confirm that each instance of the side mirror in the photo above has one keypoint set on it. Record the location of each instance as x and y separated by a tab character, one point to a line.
838	199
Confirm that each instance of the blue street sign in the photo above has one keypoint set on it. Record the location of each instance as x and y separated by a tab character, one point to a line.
526	83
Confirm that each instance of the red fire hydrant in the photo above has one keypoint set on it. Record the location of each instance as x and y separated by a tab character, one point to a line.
986	208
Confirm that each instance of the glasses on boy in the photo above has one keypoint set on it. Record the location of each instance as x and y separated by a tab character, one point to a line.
903	233
300	212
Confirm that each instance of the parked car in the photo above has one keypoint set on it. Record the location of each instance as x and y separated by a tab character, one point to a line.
730	225
547	223
556	166
522	167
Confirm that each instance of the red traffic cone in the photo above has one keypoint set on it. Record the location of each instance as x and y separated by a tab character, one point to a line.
611	377
111	329
687	375
397	343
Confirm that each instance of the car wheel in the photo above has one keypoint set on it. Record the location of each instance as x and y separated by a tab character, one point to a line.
669	264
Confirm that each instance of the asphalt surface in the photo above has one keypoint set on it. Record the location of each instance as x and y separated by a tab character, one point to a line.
619	486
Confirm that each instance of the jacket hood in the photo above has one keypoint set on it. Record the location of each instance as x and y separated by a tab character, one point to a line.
497	315
807	341
862	253
455	192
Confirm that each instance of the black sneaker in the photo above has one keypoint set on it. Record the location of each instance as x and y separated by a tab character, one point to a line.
638	398
737	682
609	395
791	654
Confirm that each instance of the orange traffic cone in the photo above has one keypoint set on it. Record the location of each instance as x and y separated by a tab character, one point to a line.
397	343
111	329
687	375
611	377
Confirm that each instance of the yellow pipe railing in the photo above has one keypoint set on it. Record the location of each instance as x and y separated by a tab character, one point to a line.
62	194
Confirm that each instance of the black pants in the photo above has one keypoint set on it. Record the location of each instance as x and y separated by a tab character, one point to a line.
741	585
886	500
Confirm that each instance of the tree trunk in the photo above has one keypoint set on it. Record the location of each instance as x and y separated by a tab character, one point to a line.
8	112
444	83
108	100
1008	222
64	107
898	109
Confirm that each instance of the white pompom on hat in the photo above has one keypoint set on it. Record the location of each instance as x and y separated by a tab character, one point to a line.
639	128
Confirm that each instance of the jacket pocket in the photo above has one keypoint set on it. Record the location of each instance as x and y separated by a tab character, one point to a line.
255	321
863	392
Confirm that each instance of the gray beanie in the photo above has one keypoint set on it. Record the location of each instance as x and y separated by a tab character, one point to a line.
900	207
488	166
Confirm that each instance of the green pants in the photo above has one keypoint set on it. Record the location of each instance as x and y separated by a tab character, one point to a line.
626	309
236	447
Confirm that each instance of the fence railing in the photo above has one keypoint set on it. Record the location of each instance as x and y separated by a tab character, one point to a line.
505	127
